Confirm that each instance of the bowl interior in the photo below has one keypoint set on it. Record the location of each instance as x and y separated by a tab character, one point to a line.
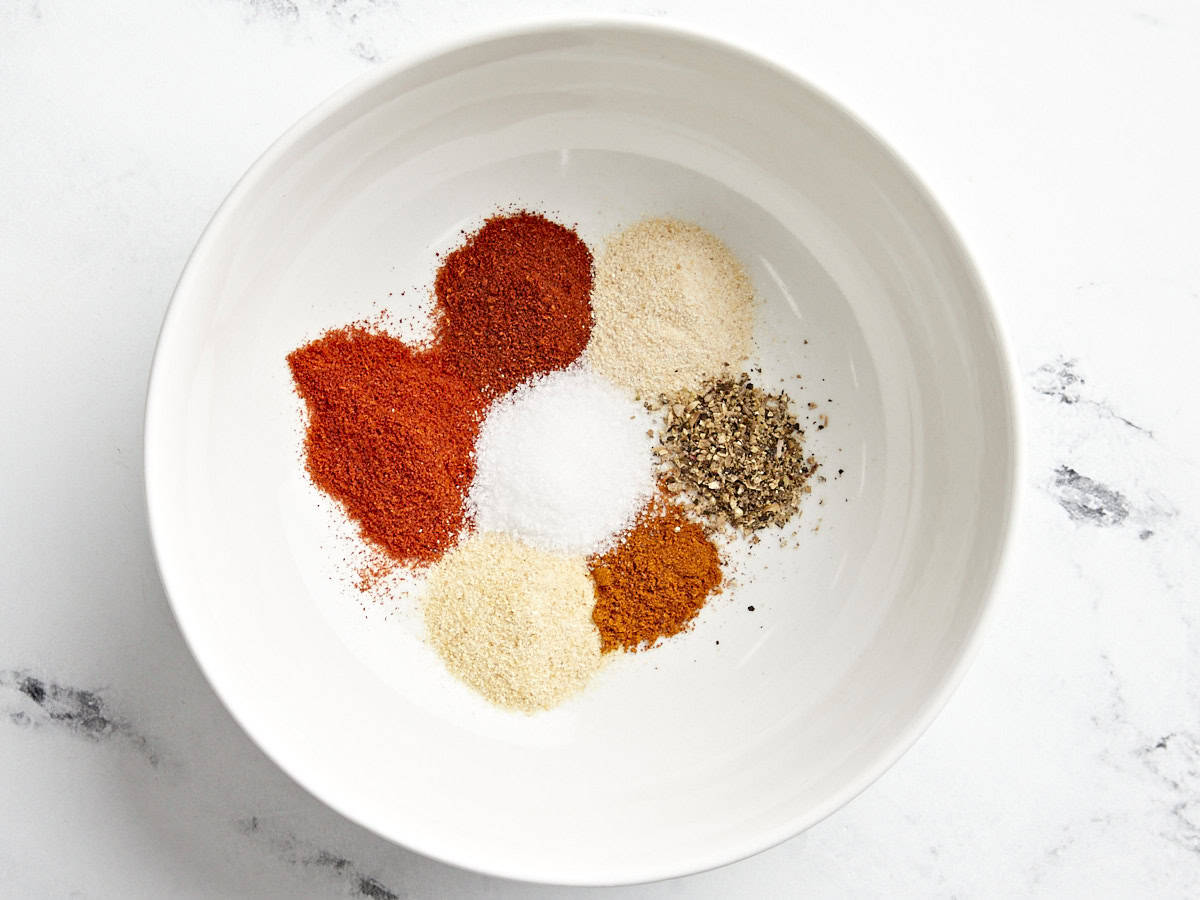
754	724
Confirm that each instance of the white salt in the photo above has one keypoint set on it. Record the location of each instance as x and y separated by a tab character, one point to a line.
564	461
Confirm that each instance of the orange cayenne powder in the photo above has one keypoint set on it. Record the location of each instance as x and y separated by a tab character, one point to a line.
652	585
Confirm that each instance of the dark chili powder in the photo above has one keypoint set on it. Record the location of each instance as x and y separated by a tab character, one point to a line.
391	431
514	301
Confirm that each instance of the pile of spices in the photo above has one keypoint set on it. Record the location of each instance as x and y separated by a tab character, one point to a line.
513	622
736	454
672	306
520	423
513	301
565	462
390	436
653	584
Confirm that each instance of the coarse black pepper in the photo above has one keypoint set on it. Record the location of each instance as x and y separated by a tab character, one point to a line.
735	453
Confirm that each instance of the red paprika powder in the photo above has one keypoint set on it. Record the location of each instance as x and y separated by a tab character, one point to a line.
514	301
391	431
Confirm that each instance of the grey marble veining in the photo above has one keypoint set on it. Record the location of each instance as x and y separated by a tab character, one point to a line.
80	712
1068	763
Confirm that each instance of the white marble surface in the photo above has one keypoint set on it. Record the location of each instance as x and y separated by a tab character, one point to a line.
1064	142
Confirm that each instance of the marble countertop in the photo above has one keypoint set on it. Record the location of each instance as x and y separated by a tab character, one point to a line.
1063	141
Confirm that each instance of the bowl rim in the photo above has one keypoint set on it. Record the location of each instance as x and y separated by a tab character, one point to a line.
1002	568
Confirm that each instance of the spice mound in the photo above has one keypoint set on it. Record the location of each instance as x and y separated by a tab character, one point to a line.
565	461
390	436
514	301
735	454
654	583
513	622
672	306
560	457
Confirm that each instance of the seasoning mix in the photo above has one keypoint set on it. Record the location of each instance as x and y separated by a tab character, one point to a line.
565	456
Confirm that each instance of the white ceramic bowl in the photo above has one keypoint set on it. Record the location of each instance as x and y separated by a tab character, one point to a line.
700	752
